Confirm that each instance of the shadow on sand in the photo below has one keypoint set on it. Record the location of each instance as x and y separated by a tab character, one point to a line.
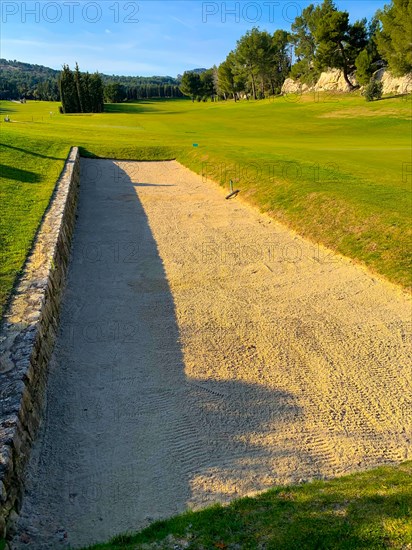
127	437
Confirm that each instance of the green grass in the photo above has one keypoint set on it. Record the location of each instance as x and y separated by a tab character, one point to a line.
370	510
334	169
29	168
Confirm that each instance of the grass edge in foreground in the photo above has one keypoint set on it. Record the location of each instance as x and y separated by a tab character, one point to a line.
371	509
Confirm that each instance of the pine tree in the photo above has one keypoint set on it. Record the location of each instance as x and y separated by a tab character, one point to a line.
339	42
395	39
364	68
191	84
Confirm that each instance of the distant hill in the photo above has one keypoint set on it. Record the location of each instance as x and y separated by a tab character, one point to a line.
197	71
19	79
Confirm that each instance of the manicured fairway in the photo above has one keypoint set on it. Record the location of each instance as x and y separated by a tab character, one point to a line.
337	169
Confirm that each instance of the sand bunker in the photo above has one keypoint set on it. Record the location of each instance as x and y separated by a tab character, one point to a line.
206	352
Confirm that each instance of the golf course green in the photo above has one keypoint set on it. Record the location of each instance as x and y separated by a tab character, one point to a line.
333	167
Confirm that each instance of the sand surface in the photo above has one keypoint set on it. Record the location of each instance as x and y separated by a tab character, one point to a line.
206	352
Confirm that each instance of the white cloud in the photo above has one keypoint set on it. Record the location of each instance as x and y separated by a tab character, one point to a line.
182	22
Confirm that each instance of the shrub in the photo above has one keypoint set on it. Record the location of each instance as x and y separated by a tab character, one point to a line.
373	90
364	68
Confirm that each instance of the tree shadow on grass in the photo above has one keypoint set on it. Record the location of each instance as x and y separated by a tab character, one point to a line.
27	152
6	110
138	108
24	176
396	96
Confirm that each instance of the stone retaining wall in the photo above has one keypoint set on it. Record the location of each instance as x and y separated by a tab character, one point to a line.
27	337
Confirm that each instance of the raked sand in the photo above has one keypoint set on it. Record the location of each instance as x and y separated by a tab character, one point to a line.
206	352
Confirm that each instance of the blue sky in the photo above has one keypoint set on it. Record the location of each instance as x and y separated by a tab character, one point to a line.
142	37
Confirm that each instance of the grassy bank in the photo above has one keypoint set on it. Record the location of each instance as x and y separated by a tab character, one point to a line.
370	510
337	169
28	170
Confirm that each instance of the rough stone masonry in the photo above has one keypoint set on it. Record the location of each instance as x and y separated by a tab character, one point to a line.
27	336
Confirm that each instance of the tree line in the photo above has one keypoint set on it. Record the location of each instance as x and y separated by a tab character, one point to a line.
114	92
81	92
20	80
85	93
324	38
321	38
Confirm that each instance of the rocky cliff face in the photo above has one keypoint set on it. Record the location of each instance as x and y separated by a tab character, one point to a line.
333	81
392	84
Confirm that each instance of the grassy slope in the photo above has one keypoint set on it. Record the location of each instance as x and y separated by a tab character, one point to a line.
332	168
28	169
367	510
356	201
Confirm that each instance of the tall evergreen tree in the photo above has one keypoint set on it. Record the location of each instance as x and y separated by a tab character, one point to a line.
325	39
79	88
279	66
191	84
253	55
87	100
114	93
207	83
68	91
228	82
395	39
96	93
80	93
305	46
339	42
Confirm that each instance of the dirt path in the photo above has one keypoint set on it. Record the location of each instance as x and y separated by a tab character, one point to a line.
205	353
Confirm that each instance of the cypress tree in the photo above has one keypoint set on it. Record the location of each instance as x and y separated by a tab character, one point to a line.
97	93
68	91
79	88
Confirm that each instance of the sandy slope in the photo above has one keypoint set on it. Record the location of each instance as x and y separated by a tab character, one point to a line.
205	353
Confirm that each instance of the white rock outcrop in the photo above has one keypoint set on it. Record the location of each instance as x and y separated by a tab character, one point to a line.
392	84
291	86
333	80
